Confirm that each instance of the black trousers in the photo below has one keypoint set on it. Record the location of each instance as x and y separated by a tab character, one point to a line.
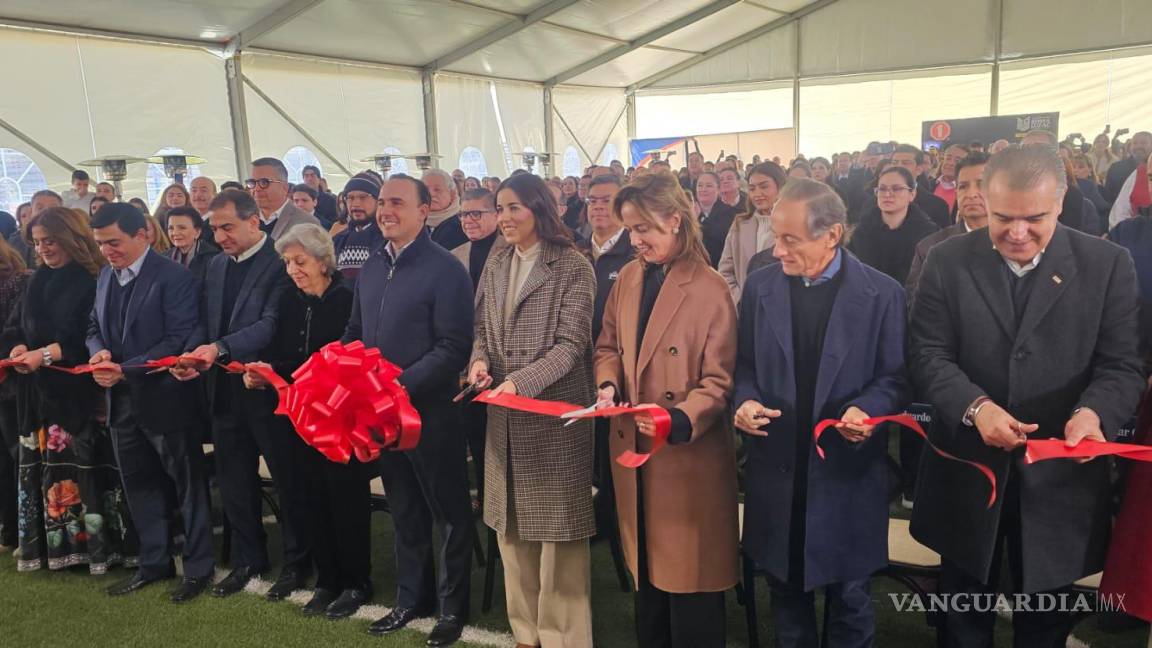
911	445
426	486
239	440
9	472
475	418
342	510
153	464
975	629
667	620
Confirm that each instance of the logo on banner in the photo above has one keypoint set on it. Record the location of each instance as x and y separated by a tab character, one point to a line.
1034	122
940	131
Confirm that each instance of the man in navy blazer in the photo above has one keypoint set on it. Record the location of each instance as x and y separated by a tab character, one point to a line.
146	309
242	288
821	336
414	302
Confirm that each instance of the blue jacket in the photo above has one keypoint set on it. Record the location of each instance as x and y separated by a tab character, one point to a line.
846	534
160	318
419	313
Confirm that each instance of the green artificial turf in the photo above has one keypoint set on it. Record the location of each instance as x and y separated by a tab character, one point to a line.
70	609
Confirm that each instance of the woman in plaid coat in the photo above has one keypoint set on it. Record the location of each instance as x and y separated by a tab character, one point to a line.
533	338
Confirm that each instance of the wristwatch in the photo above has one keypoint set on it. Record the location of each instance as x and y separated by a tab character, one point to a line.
222	354
47	355
973	410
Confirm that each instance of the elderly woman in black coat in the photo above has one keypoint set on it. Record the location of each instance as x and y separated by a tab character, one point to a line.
333	504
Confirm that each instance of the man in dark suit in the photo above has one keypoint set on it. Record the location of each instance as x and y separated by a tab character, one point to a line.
146	308
414	302
238	313
1024	330
971	213
821	337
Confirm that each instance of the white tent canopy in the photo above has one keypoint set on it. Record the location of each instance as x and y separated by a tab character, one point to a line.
477	81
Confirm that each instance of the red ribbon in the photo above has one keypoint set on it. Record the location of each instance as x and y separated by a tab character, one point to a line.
1044	449
912	424
661	420
345	400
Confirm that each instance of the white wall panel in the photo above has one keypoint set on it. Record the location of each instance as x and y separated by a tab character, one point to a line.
734	111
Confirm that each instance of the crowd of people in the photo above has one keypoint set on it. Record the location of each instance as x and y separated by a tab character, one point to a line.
747	302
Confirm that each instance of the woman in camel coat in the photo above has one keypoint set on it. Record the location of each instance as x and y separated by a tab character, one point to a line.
669	339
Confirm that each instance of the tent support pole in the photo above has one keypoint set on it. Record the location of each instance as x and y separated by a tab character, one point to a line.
431	134
41	149
241	144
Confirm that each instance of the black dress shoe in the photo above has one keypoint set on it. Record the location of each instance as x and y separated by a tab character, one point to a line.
136	582
290	580
234	581
396	619
350	600
320	602
447	631
190	588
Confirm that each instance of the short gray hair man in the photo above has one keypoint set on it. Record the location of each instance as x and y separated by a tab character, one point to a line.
1026	167
825	209
315	242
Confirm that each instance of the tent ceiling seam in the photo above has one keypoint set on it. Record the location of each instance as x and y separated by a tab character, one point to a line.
499	34
645	39
763	30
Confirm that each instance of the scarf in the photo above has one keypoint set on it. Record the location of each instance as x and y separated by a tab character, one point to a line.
437	217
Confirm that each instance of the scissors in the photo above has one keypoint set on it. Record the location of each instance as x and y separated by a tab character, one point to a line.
470	390
571	416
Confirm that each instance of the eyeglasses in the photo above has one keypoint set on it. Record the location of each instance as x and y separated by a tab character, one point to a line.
890	191
475	215
263	183
598	201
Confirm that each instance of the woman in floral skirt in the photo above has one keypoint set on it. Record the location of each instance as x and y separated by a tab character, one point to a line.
72	507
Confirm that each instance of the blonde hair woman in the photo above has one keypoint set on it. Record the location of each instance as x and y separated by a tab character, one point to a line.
669	338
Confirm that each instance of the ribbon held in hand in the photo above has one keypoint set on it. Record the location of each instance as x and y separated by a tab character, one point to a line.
629	458
912	424
1044	449
345	401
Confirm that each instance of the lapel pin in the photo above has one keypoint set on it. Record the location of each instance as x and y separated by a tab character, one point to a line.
1057	280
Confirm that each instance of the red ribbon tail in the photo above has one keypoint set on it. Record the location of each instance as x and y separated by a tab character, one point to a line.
912	424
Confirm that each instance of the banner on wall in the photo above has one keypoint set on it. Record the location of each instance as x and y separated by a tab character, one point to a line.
641	149
985	129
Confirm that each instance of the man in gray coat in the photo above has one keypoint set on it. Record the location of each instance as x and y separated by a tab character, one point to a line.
269	185
1024	330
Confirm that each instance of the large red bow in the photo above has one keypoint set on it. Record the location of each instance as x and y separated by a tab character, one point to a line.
345	401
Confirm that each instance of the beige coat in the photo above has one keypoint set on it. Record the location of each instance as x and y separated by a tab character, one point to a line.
534	466
739	248
686	361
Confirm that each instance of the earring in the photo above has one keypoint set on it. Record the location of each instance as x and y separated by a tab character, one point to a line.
675	230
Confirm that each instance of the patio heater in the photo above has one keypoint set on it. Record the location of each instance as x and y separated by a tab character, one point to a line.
176	165
423	160
113	167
